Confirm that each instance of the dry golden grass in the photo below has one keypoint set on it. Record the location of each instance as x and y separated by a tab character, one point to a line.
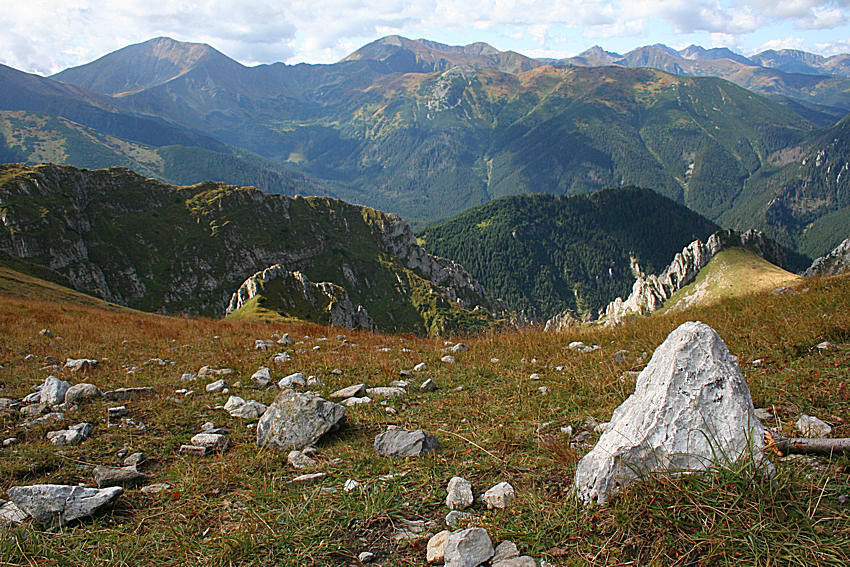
239	508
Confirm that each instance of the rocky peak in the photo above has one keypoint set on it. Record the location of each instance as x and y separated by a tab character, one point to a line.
836	262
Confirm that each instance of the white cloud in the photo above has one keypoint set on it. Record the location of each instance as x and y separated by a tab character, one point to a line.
786	43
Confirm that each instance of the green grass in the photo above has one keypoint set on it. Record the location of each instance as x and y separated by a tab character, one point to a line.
239	508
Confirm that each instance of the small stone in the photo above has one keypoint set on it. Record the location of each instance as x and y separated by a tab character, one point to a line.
354	391
459	347
336	371
155	488
454	517
11	514
58	505
216	386
34	410
386	392
505	550
544	390
825	345
45	333
400	384
434	552
309	478
280	358
351	485
403	443
186	377
293	380
468	548
135	459
299	460
366	557
122	394
356	401
499	496
534	376
262	377
314	381
192	450
124	476
116	412
211	441
576	345
459	494
284	340
449	359
428	386
524	561
811	426
260	344
79	392
53	391
8	442
495	360
420	367
80	364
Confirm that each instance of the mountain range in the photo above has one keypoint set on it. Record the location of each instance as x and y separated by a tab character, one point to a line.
427	130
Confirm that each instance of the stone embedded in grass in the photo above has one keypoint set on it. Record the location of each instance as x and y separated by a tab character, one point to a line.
74	435
122	394
155	488
299	460
455	517
691	410
524	561
459	495
428	386
296	379
280	358
79	392
351	485
262	377
386	392
80	364
216	386
348	402
468	548
124	476
420	367
116	412
296	420
251	409
459	347
811	426
449	359
34	410
504	551
56	505
192	450
353	391
53	391
499	496
285	340
11	514
135	459
210	441
261	344
309	478
404	443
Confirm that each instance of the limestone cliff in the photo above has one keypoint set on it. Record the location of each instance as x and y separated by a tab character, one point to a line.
649	292
836	262
291	294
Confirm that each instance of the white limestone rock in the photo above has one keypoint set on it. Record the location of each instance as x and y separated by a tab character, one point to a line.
810	426
53	391
434	551
468	548
296	379
79	392
262	377
296	420
499	496
58	505
691	410
459	495
404	443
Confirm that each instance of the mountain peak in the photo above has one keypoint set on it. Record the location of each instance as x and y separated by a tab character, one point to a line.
142	65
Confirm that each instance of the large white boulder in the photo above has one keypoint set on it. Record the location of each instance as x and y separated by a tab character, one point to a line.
691	410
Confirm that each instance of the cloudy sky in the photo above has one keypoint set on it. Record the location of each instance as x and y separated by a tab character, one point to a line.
45	36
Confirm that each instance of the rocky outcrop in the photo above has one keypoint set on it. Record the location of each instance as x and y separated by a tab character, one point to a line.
836	262
691	410
326	301
650	292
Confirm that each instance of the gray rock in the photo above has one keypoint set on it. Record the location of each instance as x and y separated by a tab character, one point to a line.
79	392
210	441
216	386
262	377
691	410
284	340
354	391
449	359
524	561
58	505
403	443
763	414
124	476
459	347
300	461
468	548
504	551
53	391
116	411
293	380
11	514
348	402
454	518
9	441
434	553
155	488
192	450
280	358
309	478
386	392
366	557
428	386
34	410
135	459
123	394
459	495
71	436
32	398
499	496
296	420
810	426
46	419
80	364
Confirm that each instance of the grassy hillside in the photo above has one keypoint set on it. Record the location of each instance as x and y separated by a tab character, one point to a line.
731	273
156	247
241	508
544	254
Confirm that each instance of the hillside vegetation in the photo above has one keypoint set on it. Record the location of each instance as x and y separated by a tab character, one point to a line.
155	247
240	507
544	254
